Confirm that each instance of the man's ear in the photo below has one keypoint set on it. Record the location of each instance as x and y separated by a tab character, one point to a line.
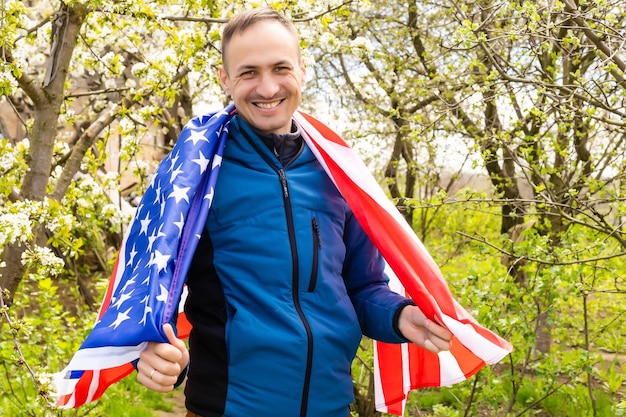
303	70
223	79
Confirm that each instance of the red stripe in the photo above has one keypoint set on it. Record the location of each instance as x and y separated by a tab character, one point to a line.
389	369
424	368
110	288
107	378
420	276
110	376
82	388
468	362
63	400
183	327
464	317
325	131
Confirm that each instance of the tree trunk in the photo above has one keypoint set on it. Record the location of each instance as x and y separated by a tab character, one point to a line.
47	100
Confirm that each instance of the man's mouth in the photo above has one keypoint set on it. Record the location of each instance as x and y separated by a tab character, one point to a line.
270	105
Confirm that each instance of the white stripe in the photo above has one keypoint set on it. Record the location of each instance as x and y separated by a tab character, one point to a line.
394	282
449	370
62	386
93	386
183	300
379	396
406	373
104	357
486	350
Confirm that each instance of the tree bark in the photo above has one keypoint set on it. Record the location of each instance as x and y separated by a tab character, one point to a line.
47	100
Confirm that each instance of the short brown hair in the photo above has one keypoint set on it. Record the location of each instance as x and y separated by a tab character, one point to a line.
244	20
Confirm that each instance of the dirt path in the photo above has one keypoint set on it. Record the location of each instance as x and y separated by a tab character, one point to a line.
178	402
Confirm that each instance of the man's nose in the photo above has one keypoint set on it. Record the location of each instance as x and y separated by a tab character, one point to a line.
268	86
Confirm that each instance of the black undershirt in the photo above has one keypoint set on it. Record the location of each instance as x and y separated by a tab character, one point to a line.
285	146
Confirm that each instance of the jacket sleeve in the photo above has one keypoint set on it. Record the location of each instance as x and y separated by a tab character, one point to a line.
377	307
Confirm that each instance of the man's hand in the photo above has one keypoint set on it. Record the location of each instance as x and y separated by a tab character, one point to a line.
160	364
425	333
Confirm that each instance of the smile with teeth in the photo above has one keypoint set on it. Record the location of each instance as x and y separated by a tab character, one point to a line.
268	105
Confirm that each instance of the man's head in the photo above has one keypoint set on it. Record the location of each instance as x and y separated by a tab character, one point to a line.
262	68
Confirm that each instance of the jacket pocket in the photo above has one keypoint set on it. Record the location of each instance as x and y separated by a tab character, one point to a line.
317	245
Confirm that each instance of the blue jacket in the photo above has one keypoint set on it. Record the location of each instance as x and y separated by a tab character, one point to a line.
283	284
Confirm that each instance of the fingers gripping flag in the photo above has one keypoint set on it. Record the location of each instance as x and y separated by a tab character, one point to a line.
146	288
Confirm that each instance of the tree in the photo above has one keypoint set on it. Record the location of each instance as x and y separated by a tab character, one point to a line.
108	69
532	90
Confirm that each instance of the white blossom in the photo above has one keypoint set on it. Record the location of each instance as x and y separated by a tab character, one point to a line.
60	222
15	227
7	161
44	259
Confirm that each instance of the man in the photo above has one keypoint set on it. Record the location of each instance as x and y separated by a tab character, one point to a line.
284	280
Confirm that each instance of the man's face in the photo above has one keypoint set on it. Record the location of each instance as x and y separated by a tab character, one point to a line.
263	73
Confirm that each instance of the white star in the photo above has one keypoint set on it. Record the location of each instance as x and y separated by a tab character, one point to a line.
180	224
161	234
129	282
147	309
122	298
157	190
162	208
154	236
202	161
151	240
120	318
160	260
144	224
132	254
152	179
209	195
173	160
196	136
176	172
217	161
163	296
179	193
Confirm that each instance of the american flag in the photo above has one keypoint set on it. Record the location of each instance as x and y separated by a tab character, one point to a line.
146	289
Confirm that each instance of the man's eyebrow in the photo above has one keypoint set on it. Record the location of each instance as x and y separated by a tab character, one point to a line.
245	68
248	67
283	62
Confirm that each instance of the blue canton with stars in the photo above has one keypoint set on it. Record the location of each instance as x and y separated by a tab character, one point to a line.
163	236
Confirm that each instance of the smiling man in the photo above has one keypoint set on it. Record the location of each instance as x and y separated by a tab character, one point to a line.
284	280
263	73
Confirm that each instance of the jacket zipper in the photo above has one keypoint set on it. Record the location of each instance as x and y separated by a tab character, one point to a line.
295	293
296	278
317	245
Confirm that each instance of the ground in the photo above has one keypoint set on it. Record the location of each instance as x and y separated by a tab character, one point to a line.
178	402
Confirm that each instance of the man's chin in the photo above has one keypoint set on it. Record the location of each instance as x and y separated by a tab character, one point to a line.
268	126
